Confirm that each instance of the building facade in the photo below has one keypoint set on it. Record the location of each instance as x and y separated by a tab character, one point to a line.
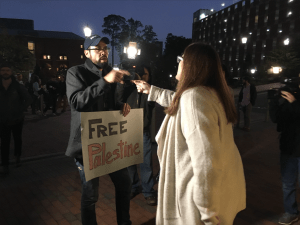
54	51
246	31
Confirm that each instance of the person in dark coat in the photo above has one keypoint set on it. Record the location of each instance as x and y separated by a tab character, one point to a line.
247	98
14	99
285	111
53	88
139	100
92	87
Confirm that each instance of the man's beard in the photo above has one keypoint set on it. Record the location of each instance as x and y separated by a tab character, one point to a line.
6	78
101	65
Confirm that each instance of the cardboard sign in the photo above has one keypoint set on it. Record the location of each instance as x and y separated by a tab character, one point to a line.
110	141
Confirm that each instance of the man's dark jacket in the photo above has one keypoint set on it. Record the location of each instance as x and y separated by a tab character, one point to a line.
13	102
253	94
138	100
287	117
87	91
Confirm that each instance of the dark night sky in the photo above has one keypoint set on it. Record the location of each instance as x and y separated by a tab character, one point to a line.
171	16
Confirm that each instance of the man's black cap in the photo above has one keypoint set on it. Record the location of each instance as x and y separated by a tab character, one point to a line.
94	40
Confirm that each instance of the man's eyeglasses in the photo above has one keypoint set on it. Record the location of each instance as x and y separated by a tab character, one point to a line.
179	59
100	49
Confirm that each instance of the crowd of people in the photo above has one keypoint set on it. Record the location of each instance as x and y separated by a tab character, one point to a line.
201	180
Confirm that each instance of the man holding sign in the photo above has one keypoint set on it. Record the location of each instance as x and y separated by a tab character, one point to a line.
91	87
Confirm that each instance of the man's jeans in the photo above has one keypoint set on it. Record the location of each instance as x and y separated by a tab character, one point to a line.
247	115
146	170
90	193
290	168
5	134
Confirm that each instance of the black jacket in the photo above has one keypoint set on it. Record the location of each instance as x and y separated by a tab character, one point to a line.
87	91
287	117
13	102
253	94
139	100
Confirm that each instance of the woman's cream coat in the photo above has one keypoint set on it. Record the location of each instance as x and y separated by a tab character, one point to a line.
201	169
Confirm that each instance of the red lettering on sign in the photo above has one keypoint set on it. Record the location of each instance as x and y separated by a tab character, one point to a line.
116	153
93	152
121	148
135	147
108	155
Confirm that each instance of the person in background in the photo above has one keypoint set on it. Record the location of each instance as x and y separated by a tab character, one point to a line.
52	87
14	99
201	179
20	78
139	100
285	111
62	95
247	98
35	95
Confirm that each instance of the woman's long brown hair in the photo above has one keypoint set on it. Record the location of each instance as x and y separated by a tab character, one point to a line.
202	67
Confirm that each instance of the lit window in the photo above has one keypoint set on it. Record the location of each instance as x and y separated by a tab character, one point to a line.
81	46
256	19
44	57
81	56
31	46
289	13
48	56
65	58
61	57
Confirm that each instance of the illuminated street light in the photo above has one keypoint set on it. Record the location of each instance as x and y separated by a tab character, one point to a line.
244	40
276	69
286	41
290	13
252	71
171	75
132	50
212	10
87	31
223	4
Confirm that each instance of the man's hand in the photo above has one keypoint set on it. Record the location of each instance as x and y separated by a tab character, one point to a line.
142	86
116	76
125	109
288	96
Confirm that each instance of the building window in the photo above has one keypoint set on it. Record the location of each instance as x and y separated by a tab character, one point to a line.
251	1
46	56
256	19
236	6
65	57
248	12
267	6
31	46
81	46
266	19
81	56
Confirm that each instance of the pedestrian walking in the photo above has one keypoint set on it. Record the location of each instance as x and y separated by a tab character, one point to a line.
139	100
34	82
247	98
14	99
285	111
92	87
201	178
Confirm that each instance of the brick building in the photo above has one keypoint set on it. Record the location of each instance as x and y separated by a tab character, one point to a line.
54	51
262	25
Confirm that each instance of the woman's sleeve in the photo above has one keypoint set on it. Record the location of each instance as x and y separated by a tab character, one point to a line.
161	96
201	130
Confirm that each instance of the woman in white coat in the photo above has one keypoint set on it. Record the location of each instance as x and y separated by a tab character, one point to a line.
202	179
